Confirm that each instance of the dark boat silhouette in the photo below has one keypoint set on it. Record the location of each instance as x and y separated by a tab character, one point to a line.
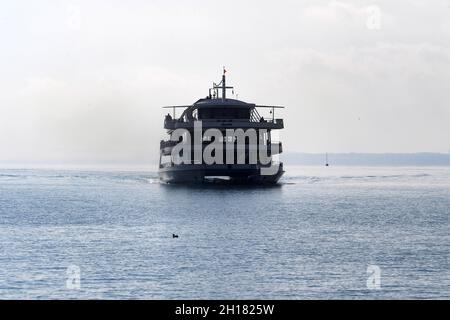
218	112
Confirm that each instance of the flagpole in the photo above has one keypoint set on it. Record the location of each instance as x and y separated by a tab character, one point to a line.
224	90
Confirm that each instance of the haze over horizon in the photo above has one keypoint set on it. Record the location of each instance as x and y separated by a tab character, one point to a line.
84	81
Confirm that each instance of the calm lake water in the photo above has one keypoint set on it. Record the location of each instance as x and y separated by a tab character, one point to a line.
313	236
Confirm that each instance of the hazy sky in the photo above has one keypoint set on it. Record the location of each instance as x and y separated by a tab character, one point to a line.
83	81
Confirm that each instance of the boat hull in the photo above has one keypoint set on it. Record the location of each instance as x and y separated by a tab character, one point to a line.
239	174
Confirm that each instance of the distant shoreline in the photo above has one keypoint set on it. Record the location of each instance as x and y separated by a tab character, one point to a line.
369	159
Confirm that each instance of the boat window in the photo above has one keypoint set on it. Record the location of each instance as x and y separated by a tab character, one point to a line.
224	113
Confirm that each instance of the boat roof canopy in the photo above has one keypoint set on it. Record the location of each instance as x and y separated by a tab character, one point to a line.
233	103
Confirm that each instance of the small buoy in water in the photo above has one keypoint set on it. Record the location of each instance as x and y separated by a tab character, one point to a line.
174	235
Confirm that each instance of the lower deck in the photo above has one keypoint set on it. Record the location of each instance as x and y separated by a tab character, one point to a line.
199	173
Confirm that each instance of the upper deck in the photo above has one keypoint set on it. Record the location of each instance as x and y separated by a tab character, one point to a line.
221	112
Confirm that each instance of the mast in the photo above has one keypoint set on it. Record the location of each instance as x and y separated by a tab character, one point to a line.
224	87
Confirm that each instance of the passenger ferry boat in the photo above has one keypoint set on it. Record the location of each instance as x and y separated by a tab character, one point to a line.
220	139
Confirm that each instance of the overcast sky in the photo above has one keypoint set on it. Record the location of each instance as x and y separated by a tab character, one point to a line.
84	81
